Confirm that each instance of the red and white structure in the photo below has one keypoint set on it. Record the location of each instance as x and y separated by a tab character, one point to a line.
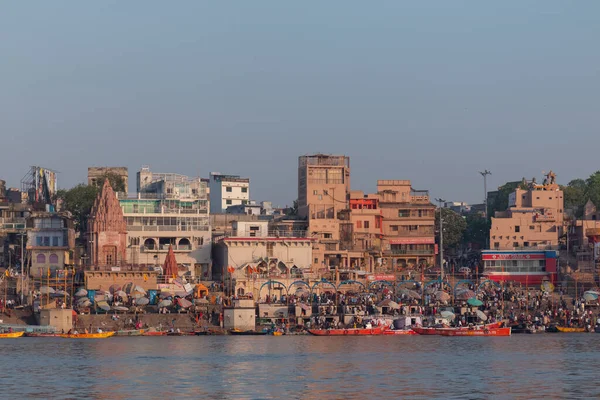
529	267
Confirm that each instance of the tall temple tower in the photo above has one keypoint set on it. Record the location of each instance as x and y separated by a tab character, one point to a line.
107	230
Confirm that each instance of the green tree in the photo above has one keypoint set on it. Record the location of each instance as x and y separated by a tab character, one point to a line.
575	196
593	188
116	182
78	201
454	227
293	210
477	231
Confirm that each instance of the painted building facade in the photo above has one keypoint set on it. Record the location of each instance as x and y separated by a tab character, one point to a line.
50	241
227	190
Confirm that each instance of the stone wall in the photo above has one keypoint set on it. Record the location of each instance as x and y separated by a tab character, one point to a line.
103	280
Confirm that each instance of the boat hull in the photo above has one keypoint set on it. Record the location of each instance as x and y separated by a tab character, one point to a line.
399	332
154	333
247	333
133	332
42	334
348	332
102	335
564	329
11	335
438	331
477	332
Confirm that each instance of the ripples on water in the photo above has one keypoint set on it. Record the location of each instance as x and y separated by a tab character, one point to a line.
521	366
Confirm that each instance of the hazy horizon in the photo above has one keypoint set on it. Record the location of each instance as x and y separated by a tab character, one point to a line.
432	92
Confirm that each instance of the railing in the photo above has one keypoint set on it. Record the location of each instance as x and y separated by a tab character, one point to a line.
166	228
165	247
411	252
144	211
271	234
326	181
415	233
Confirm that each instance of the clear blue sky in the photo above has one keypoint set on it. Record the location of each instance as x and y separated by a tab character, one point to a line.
429	91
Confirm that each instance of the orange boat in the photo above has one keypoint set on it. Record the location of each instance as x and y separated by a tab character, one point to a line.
399	332
476	332
348	332
154	333
438	331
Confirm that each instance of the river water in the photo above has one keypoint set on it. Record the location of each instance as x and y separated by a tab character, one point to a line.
227	367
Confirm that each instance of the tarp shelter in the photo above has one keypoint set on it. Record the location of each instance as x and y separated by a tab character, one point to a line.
200	290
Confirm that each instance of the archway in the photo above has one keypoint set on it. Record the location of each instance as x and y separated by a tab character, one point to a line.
281	269
461	282
184	244
322	282
149	244
271	282
351	282
482	284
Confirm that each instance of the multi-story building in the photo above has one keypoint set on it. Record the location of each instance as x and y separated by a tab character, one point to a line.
534	219
323	190
94	173
169	209
257	255
227	190
12	224
50	241
408	219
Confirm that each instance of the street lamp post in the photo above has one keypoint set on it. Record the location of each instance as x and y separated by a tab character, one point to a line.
440	200
485	174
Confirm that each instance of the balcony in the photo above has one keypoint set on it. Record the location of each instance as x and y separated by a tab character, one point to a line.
166	228
12	224
411	252
163	248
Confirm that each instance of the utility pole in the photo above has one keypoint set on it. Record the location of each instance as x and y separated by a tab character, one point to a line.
22	267
485	174
440	200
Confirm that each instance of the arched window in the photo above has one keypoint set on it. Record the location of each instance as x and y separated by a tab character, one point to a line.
41	259
53	259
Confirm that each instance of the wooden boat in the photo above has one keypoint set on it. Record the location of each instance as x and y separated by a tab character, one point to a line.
181	333
348	332
131	332
32	334
277	333
565	329
247	333
399	332
102	335
11	335
439	330
476	332
154	333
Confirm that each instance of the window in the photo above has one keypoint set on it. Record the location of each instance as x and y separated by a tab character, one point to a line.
358	224
228	202
244	190
525	244
377	223
41	259
515	244
54	242
517	229
327	236
316	261
315	192
38	241
496	245
47	241
366	224
394	228
403	213
228	189
320	197
531	227
53	259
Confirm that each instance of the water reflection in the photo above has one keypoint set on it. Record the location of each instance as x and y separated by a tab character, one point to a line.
522	367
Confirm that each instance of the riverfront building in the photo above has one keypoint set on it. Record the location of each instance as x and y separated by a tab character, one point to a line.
50	241
169	209
227	190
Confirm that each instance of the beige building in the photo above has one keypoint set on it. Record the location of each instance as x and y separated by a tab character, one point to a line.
50	241
408	225
94	173
534	218
257	255
323	190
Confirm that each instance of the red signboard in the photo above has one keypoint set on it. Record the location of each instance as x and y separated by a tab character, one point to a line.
381	277
500	256
412	241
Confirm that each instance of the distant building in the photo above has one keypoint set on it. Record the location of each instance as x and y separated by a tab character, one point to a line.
227	190
533	220
459	207
107	230
249	209
323	190
257	255
50	241
169	209
95	173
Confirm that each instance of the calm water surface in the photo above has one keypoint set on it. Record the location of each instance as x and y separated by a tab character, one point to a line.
225	367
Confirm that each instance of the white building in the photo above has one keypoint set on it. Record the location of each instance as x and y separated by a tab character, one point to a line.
169	210
227	190
257	255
